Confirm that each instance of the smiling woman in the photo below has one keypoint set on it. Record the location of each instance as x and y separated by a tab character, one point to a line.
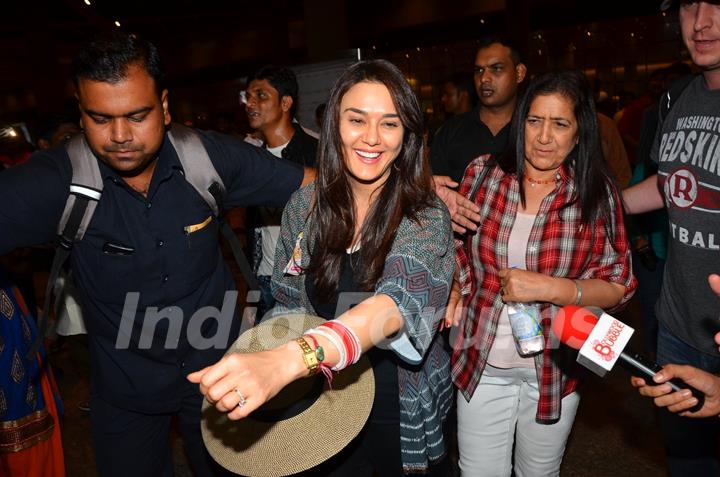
370	232
371	133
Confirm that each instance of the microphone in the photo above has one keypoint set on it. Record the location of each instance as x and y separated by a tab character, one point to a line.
601	339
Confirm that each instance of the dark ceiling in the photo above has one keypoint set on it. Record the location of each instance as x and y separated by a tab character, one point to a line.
204	40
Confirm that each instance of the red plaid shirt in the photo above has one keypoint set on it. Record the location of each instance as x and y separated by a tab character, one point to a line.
559	246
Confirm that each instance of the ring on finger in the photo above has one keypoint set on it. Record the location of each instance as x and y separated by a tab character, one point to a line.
243	399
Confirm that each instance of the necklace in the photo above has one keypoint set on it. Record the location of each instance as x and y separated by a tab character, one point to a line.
535	182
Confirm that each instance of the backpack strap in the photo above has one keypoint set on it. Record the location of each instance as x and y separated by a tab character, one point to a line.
671	95
197	166
85	191
235	245
202	175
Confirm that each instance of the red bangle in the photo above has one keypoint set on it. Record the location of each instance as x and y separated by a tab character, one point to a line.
346	339
350	342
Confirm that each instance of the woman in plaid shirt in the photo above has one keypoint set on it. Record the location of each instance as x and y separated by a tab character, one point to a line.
551	233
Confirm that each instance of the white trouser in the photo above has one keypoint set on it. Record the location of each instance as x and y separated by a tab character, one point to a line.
502	412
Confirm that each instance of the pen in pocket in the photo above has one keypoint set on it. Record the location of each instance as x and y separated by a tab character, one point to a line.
190	229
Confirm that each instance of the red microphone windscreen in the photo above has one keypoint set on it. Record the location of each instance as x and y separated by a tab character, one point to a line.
572	325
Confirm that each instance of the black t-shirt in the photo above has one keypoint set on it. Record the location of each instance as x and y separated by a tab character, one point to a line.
386	406
460	140
141	276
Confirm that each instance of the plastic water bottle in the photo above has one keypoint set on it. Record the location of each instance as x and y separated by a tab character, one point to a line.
525	323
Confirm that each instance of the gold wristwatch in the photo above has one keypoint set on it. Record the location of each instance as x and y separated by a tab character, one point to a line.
310	357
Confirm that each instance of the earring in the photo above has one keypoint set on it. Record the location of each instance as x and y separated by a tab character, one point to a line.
395	166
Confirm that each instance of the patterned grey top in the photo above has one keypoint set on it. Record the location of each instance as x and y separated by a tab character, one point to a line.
417	276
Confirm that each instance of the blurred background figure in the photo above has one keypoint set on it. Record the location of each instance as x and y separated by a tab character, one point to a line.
57	130
458	94
320	115
630	122
30	407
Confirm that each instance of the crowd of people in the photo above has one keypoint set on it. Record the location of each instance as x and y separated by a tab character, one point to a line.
411	264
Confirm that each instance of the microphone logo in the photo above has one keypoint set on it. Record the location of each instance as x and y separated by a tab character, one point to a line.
606	352
604	347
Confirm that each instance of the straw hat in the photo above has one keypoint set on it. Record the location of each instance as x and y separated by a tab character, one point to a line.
301	427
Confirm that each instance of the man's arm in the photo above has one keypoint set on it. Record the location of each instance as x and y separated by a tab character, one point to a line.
464	212
252	176
32	199
643	197
681	401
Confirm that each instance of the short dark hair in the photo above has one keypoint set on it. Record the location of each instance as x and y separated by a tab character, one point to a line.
491	40
107	58
463	81
282	79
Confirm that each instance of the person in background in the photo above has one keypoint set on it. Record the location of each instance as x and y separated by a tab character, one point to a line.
682	401
553	236
498	72
630	122
57	130
30	406
271	102
371	223
614	151
458	94
687	189
320	115
458	97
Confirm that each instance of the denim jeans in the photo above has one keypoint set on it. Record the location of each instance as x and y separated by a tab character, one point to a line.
690	444
648	290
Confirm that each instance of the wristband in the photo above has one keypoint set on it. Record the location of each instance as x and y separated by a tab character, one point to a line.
336	341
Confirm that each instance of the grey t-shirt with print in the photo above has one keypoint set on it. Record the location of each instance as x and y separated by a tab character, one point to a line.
687	151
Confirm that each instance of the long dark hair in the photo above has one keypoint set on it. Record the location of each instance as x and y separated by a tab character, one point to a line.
407	189
586	163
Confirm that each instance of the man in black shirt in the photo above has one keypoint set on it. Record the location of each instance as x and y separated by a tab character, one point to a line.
150	257
484	130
